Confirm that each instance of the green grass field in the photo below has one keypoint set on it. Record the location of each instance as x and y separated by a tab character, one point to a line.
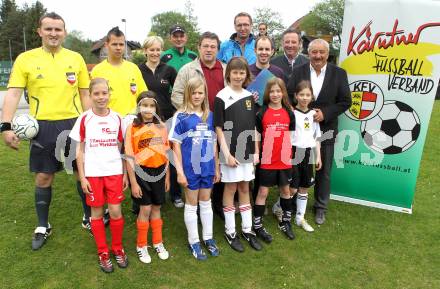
358	247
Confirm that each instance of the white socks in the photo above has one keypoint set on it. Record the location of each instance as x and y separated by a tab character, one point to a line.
190	217
206	217
229	213
246	218
301	204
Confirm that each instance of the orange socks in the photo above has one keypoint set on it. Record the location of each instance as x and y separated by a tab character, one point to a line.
156	228
142	232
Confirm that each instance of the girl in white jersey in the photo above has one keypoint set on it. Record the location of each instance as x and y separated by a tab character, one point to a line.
305	144
101	171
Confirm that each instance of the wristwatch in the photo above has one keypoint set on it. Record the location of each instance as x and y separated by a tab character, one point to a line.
4	126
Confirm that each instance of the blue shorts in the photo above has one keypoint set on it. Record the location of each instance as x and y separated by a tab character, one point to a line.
197	182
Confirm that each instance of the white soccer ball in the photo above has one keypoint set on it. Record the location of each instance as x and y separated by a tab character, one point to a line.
25	126
393	130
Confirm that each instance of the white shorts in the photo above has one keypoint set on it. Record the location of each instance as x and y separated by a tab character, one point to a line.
240	173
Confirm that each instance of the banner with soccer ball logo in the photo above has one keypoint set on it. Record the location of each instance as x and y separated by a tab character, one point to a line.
391	52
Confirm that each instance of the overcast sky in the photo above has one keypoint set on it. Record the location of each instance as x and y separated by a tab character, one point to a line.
95	17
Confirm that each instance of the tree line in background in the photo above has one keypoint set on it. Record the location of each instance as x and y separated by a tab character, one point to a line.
18	26
18	31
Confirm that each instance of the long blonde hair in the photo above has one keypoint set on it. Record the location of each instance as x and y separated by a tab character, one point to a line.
190	87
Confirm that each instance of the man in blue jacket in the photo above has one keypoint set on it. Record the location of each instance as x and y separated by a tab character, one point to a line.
241	43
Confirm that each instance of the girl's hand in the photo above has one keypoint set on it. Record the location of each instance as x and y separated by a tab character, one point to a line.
217	175
181	179
318	164
136	191
256	96
256	159
232	162
167	183
86	187
125	182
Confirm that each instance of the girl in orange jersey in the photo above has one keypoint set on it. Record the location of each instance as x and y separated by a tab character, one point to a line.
145	147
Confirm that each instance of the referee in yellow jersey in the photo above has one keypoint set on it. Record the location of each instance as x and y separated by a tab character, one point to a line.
57	82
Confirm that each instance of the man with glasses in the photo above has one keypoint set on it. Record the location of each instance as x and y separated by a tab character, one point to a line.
241	43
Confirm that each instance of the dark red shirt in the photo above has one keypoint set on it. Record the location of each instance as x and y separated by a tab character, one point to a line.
214	80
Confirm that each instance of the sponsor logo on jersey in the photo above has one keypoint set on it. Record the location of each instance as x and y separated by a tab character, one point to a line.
306	123
202	127
107	130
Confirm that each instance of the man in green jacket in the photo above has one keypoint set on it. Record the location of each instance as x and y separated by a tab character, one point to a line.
178	55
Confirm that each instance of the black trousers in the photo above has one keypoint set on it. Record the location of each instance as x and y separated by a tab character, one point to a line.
217	199
322	178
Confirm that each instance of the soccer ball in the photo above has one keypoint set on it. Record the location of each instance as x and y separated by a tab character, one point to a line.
25	126
393	130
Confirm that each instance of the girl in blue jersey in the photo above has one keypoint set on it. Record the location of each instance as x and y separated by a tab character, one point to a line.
194	146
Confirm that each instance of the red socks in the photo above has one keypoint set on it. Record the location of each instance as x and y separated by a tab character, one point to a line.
117	228
98	230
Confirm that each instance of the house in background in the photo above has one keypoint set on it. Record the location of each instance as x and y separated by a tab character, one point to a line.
101	52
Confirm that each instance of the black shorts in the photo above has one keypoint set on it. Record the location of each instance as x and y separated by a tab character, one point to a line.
152	187
302	173
51	146
270	178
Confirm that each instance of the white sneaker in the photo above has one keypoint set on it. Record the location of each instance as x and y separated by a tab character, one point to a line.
303	224
161	251
143	255
178	203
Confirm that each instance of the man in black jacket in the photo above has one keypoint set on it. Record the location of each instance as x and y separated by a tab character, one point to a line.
291	42
332	98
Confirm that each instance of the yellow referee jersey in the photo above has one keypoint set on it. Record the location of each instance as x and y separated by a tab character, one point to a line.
125	82
53	82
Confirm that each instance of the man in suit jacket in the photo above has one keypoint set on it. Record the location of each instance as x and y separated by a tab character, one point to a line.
291	43
332	98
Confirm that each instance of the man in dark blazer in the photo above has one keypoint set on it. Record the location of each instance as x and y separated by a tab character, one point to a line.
291	43
332	98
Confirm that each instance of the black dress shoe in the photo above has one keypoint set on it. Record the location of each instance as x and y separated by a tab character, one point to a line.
319	217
